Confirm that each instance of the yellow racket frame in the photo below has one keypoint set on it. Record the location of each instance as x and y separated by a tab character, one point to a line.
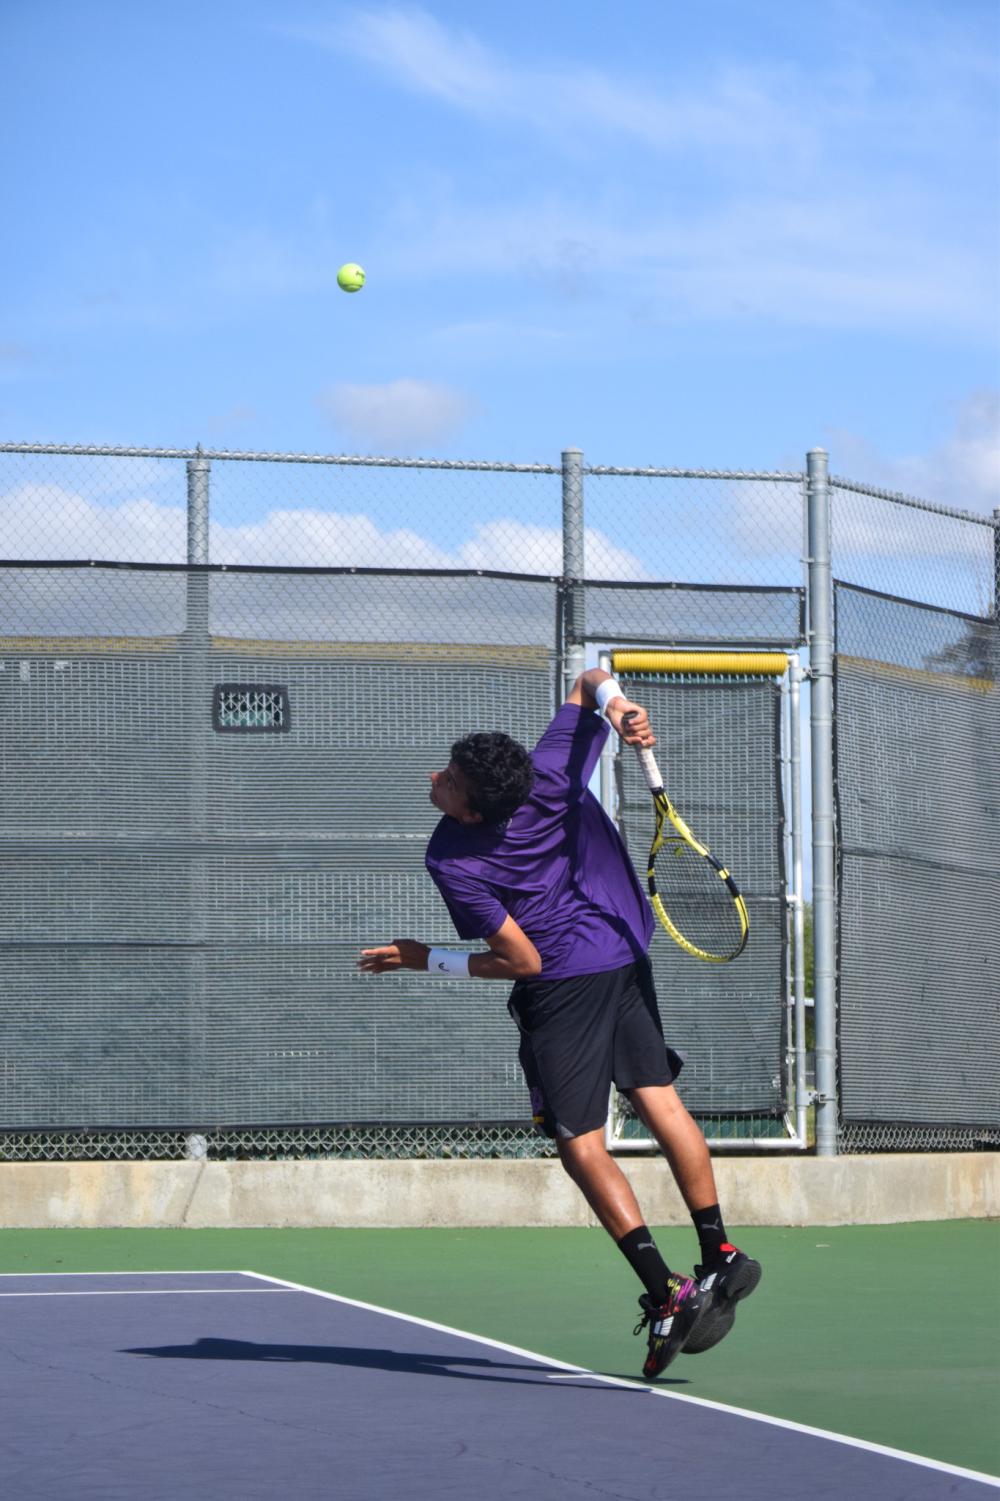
665	811
772	664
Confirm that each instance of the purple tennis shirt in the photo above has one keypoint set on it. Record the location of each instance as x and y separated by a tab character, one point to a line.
558	867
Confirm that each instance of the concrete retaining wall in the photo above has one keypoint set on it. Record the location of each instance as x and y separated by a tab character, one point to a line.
770	1191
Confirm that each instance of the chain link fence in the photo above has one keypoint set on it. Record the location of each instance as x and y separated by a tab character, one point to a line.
195	814
933	555
918	803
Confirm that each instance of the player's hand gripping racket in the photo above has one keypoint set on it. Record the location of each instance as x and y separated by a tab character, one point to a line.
692	893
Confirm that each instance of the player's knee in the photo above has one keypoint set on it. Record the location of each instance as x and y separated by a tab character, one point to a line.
660	1099
578	1152
567	1161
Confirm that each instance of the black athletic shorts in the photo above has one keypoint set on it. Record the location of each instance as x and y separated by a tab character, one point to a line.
579	1036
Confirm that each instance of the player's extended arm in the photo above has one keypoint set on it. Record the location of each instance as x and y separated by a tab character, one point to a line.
512	956
584	693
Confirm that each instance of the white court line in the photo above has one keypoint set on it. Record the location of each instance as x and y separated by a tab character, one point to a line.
656	1391
282	1284
159	1292
181	1271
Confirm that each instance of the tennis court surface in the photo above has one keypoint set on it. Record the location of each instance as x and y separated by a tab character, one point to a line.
239	1385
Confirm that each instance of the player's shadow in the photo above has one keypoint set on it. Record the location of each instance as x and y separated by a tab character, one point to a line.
412	1363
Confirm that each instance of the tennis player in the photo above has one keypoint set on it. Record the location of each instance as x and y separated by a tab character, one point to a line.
527	861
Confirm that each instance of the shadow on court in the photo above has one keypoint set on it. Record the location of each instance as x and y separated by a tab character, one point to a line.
413	1363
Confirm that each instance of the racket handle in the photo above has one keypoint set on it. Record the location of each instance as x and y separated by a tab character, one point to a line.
647	761
650	770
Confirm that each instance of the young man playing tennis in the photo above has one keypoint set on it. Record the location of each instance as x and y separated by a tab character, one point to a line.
527	860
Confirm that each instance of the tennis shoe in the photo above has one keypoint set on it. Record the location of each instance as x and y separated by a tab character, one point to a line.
730	1278
671	1322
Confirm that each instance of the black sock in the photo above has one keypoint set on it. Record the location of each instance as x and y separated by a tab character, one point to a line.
640	1251
711	1232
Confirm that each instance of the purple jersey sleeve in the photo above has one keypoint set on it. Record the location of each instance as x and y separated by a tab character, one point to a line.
565	757
474	909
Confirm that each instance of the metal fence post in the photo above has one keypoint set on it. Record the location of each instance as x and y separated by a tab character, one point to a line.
196	671
824	869
574	651
198	470
996	596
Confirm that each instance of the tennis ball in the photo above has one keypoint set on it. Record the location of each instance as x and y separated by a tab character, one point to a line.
350	278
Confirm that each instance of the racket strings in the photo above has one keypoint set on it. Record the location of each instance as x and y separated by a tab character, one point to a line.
697	894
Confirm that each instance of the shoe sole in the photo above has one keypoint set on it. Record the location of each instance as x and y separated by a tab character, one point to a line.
743	1281
676	1341
720	1316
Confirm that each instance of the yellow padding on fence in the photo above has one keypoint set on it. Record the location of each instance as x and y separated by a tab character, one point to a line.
744	663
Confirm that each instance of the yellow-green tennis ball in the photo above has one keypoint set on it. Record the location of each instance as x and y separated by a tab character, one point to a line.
350	278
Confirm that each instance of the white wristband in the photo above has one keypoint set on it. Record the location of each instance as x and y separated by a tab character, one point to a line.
605	691
448	962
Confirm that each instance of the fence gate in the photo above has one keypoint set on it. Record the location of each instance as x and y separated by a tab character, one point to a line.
725	731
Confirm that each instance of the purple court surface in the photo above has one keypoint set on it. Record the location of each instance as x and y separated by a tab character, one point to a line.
233	1385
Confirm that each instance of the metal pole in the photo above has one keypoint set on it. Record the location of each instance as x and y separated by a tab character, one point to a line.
196	674
996	596
798	896
198	470
824	870
574	648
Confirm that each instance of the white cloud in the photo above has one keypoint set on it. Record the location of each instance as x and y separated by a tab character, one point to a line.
325	539
511	546
784	115
962	470
50	522
418	51
870	264
821	198
399	415
718	531
734	109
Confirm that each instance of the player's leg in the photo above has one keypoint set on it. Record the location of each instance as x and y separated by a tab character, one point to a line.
567	1052
679	1137
644	1069
726	1271
673	1304
601	1181
609	1193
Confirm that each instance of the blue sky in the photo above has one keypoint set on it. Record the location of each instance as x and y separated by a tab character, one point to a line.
709	235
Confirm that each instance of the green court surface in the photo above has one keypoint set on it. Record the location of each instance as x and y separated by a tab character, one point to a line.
888	1333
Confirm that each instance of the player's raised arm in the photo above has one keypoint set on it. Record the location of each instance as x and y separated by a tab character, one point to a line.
597	689
512	956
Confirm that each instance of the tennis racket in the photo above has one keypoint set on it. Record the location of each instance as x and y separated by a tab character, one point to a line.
691	892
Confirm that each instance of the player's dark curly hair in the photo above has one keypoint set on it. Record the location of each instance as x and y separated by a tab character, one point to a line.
498	773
